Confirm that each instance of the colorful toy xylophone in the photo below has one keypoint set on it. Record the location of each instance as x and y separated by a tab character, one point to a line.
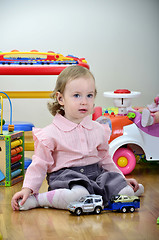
36	63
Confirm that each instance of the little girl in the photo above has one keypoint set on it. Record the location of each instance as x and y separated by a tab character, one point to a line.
73	150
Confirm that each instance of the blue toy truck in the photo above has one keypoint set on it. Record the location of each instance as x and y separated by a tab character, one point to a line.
123	203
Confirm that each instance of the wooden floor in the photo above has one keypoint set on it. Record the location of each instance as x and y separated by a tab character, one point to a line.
52	224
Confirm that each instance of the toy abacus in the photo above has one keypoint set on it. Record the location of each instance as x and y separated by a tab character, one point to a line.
11	152
11	158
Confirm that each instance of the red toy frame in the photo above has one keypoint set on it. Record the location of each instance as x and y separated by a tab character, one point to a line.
36	63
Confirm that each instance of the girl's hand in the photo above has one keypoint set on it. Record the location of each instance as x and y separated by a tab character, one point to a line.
133	183
23	194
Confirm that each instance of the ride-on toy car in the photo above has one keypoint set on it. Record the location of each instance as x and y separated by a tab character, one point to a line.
128	137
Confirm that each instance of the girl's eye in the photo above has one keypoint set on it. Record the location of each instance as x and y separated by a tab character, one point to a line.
76	95
90	95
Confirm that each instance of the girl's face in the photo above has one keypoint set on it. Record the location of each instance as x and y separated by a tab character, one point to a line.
78	98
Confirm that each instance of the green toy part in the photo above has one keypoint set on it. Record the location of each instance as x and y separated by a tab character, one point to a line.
2	122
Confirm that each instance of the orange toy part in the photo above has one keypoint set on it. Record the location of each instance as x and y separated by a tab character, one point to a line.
10	128
16	150
118	122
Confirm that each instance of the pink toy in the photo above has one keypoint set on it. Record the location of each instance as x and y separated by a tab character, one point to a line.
125	160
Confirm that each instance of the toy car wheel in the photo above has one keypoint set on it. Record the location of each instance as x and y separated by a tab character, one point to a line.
125	160
98	210
124	210
78	211
132	209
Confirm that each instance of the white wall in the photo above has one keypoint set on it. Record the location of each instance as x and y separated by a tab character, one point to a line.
118	38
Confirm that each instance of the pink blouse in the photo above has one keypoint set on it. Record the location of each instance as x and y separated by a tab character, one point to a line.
64	144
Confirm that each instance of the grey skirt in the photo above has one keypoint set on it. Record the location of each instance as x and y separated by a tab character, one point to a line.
94	178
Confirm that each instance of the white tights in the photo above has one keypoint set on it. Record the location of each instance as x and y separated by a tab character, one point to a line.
130	192
60	198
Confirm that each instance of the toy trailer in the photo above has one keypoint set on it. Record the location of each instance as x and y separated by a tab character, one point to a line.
123	206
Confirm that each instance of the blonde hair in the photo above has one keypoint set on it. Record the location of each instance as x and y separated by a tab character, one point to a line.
69	73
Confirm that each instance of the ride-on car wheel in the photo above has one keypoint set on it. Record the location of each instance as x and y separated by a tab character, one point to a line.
98	210
125	160
78	211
